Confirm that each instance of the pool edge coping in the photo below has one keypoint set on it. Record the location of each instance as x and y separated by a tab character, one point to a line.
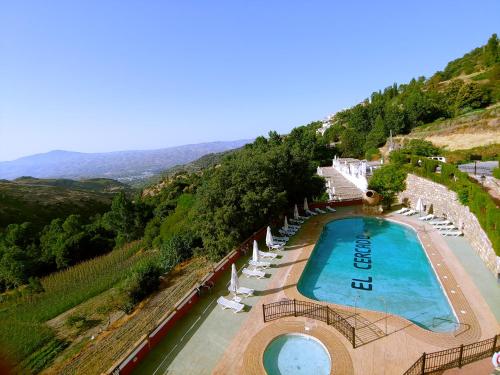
431	337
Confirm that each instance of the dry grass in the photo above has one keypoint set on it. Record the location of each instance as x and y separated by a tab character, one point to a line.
465	140
474	129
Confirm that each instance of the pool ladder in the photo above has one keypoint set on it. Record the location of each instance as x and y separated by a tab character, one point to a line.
457	325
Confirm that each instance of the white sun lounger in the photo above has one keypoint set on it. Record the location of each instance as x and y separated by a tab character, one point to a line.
446	227
253	273
291	229
426	218
400	211
284	232
453	233
409	213
267	254
281	239
277	246
439	222
319	210
295	221
294	227
244	291
310	213
331	209
228	304
259	264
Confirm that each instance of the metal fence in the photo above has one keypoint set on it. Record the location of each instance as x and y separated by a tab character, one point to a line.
459	356
289	307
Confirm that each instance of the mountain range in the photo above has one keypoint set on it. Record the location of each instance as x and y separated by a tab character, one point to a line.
125	166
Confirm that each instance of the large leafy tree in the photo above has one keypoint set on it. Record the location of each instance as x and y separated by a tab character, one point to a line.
255	185
388	181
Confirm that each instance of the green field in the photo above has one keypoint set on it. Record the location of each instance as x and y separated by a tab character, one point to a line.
26	338
39	203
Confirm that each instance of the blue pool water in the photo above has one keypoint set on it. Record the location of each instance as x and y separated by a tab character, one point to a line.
376	264
296	354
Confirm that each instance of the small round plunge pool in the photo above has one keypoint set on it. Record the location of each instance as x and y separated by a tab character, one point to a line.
296	354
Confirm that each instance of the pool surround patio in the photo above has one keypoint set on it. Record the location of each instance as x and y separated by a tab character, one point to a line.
394	352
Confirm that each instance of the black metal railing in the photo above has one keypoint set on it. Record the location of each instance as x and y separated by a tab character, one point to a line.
293	307
459	356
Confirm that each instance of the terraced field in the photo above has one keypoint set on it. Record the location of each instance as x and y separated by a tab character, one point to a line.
98	355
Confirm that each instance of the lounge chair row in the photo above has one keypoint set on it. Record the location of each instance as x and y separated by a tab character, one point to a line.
443	225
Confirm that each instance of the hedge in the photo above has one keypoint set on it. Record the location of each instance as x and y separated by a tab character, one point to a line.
470	194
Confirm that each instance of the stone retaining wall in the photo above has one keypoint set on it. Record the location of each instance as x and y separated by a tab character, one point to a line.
445	203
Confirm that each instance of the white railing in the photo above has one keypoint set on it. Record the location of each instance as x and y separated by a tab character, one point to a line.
353	172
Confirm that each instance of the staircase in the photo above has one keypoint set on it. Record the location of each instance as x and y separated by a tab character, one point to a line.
344	190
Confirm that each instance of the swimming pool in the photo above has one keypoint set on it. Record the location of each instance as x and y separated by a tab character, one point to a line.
380	265
296	354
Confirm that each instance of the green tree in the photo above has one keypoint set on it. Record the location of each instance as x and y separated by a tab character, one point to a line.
491	54
377	136
352	143
471	96
122	219
388	181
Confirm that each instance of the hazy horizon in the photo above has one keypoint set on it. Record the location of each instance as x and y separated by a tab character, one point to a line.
103	77
127	150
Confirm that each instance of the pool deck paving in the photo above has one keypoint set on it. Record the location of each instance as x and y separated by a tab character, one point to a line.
212	340
393	353
196	344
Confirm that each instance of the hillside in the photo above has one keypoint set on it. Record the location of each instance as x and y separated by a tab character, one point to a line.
125	166
470	130
40	201
156	183
103	185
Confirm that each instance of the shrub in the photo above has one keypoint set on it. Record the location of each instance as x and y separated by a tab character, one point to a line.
177	249
429	165
35	285
463	195
388	181
414	161
399	157
448	171
421	148
372	154
496	173
144	280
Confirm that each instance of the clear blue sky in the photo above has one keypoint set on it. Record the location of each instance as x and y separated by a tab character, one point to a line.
112	75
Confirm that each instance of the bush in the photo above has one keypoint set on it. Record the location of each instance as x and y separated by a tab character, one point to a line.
144	280
429	165
372	154
414	161
496	173
177	249
448	171
463	195
388	181
35	286
399	157
421	148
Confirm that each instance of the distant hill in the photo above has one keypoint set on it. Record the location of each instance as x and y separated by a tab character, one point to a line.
39	201
125	166
103	185
155	184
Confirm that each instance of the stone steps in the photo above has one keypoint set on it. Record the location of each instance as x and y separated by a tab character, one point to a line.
344	189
